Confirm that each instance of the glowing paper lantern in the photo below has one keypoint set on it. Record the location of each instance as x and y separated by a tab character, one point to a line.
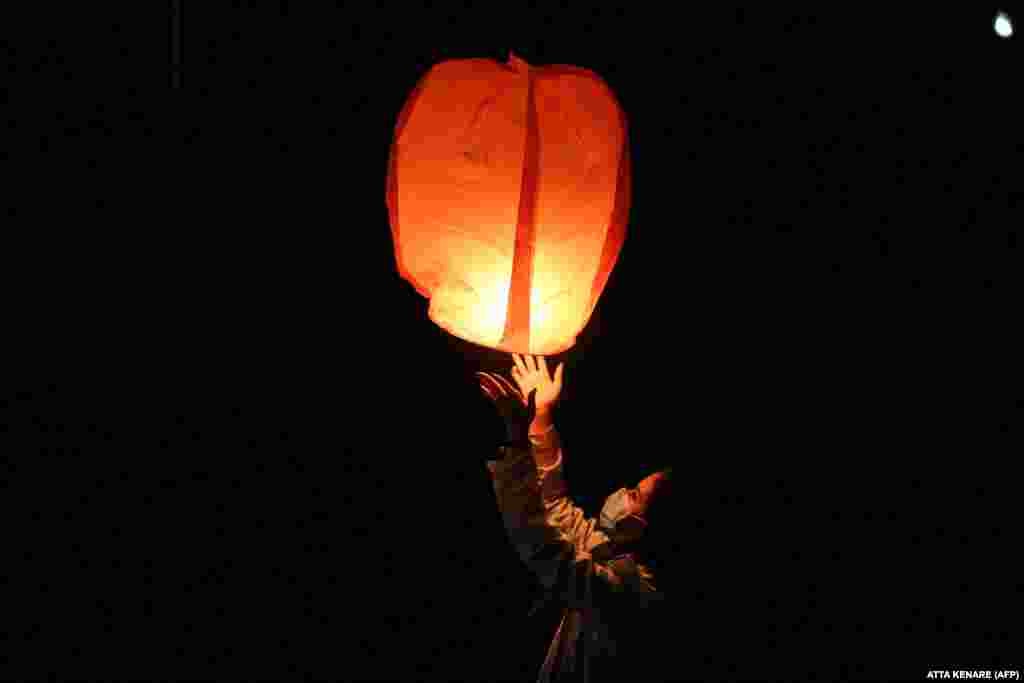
508	194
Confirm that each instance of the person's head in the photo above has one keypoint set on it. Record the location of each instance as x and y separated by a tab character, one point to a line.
628	512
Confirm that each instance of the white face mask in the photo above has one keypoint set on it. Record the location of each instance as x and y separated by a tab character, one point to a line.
617	521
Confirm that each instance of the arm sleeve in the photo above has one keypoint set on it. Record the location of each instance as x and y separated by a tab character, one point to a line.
554	538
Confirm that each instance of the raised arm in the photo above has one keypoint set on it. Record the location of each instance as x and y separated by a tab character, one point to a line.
552	536
527	408
532	375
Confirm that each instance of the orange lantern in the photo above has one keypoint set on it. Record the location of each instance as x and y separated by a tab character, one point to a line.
508	195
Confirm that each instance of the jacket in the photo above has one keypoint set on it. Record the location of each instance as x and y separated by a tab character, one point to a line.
572	558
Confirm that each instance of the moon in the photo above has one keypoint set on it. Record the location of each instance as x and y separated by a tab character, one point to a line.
1003	25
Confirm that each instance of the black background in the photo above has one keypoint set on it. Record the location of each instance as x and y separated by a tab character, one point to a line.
237	445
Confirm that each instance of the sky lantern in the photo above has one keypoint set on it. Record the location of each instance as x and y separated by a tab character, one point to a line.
508	194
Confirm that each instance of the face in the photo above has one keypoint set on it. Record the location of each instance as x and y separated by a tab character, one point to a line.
640	496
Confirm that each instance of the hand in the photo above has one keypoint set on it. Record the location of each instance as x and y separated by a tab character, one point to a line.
514	409
531	376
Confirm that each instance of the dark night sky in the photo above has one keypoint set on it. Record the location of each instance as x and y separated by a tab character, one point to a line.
246	449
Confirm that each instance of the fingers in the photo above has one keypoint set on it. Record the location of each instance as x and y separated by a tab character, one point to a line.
488	382
508	386
501	386
483	386
487	391
521	381
526	365
497	387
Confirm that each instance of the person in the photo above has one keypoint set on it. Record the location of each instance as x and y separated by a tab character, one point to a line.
589	567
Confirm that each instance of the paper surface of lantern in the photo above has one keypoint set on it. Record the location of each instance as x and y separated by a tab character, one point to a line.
508	194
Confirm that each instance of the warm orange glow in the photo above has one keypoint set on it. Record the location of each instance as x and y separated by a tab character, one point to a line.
508	193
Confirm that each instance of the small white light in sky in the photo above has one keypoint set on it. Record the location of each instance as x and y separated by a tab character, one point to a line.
1004	27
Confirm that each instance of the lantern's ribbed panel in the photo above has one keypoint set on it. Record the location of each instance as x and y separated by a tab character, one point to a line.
518	320
485	153
581	140
616	234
